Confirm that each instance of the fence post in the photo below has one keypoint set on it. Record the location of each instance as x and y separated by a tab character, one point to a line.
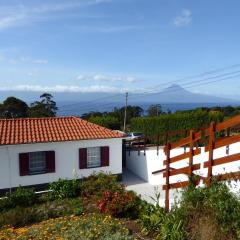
185	135
211	149
138	148
166	138
191	145
158	138
129	145
168	147
228	134
144	145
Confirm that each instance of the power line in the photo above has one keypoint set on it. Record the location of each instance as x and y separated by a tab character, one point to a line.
86	106
190	85
195	76
97	99
125	113
196	81
144	93
199	84
156	86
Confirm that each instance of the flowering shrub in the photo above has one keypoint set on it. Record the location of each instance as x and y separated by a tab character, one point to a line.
89	227
120	203
96	184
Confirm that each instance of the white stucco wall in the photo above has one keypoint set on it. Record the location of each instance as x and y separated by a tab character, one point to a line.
66	161
143	166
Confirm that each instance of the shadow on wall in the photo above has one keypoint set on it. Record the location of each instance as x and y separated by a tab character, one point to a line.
137	163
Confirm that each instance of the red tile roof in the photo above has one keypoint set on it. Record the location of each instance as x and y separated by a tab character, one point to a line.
55	129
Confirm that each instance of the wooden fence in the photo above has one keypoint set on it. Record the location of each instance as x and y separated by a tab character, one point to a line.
214	137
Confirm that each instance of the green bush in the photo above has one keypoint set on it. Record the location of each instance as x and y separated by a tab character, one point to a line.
221	205
21	216
22	197
106	121
151	218
98	183
64	188
201	213
4	204
152	126
172	227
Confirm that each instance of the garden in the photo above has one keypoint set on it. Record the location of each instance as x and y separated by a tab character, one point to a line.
98	207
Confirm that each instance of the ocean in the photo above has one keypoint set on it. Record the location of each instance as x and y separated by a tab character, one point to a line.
77	109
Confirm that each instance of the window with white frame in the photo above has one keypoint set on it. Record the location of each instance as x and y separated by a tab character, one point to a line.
37	162
93	157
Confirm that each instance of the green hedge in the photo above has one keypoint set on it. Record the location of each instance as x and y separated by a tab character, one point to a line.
106	121
152	126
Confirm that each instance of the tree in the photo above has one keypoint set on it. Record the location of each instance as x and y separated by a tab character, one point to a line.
91	114
154	110
44	108
13	108
132	112
106	121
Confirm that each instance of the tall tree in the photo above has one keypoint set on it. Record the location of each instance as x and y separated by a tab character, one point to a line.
132	112
154	110
13	108
46	107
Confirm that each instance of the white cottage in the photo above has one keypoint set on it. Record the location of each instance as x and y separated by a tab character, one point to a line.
37	151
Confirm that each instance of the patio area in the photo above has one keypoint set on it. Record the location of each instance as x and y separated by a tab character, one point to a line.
146	190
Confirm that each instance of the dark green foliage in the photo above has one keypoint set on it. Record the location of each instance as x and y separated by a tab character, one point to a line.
154	110
106	121
152	126
13	108
151	218
46	107
88	115
23	197
21	216
202	213
114	119
172	227
132	112
217	201
64	188
96	184
18	216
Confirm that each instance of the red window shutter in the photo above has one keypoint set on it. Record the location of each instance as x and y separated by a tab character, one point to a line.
50	161
82	158
24	164
104	156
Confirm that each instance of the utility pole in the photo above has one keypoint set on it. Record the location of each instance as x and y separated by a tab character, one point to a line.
125	115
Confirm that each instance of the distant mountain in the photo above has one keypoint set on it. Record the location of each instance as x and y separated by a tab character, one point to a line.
177	94
173	94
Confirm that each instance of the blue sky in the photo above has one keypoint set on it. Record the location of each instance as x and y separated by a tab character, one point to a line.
117	45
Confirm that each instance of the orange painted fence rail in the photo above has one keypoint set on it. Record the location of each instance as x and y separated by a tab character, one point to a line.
215	136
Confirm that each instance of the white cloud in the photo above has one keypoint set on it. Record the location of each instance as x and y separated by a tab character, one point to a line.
25	59
62	88
114	29
11	20
41	61
185	19
21	14
108	78
80	77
